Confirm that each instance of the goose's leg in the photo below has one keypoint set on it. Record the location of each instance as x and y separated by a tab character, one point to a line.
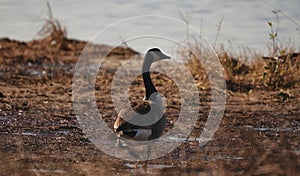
148	156
144	165
136	165
119	144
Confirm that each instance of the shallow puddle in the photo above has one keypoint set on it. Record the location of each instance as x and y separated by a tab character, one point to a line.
262	129
31	133
151	169
55	171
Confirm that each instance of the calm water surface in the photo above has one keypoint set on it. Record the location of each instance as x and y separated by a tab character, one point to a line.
244	22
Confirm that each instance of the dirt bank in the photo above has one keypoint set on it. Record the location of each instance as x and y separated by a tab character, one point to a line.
259	133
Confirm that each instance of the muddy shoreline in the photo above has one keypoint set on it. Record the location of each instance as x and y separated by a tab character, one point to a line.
40	135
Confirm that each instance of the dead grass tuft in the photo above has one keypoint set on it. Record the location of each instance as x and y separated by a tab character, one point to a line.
52	33
244	71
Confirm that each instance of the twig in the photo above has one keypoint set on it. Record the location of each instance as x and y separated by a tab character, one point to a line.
219	25
187	17
49	11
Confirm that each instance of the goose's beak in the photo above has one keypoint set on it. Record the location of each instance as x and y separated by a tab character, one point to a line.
165	56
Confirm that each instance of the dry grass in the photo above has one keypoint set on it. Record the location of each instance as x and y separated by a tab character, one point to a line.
245	71
52	32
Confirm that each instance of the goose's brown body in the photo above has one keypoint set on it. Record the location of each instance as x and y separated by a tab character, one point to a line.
145	112
145	121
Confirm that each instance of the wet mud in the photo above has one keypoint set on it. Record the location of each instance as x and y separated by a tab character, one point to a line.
40	135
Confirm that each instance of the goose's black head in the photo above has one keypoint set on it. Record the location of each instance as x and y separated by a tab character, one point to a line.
156	55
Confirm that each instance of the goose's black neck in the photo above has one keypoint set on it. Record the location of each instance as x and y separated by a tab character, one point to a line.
150	89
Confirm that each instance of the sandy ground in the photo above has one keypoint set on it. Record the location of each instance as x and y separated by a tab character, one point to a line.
40	135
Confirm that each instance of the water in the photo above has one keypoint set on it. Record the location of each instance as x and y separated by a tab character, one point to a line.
31	133
55	171
244	22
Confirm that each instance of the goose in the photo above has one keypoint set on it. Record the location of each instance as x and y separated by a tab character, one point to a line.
147	119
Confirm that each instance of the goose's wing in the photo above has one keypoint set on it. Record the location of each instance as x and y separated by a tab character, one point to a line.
139	123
